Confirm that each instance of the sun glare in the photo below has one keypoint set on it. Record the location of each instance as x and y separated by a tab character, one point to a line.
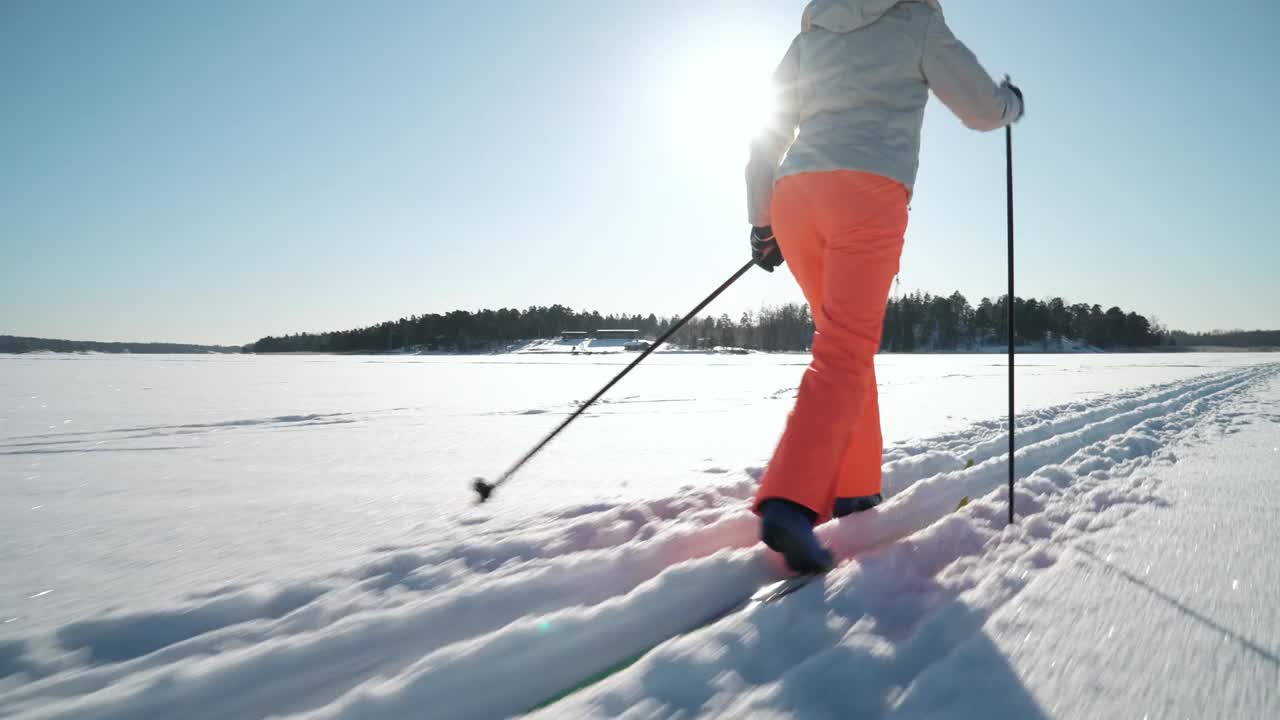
721	101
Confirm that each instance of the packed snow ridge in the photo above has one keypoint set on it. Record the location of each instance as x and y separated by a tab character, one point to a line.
499	622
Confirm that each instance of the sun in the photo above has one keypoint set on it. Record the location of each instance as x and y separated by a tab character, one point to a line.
721	100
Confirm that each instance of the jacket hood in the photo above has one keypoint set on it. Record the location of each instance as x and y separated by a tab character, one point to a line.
844	16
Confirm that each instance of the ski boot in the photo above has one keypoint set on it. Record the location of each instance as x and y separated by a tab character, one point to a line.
787	528
851	505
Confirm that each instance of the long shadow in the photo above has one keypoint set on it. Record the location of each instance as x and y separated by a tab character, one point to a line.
61	451
171	431
944	660
43	443
948	665
125	637
13	660
1244	642
311	418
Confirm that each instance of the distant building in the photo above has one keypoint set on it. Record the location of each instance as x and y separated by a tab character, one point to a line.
617	334
577	335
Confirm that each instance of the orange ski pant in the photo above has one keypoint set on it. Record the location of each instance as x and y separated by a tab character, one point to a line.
842	235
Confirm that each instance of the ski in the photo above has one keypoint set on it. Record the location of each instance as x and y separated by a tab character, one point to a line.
778	590
766	594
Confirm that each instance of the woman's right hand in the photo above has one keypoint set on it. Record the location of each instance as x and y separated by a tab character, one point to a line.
764	248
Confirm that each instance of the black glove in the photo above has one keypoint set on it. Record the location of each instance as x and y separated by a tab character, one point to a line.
764	248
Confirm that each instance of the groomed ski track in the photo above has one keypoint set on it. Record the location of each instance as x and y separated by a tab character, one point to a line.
508	618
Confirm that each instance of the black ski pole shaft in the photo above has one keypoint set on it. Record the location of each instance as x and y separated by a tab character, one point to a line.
1008	154
485	489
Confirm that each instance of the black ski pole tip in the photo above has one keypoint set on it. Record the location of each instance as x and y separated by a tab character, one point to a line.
483	489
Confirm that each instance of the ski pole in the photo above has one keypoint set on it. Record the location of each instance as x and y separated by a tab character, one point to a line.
484	489
1008	154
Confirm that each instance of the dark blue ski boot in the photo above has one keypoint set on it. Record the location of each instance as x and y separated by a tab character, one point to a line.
850	505
787	528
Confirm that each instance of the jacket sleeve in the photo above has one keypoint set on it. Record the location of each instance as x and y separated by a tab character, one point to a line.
770	144
962	84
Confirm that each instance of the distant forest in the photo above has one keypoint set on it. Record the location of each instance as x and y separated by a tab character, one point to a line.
919	322
1230	339
12	344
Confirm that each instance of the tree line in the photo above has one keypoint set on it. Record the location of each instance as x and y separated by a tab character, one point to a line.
913	323
15	344
461	331
1229	338
921	321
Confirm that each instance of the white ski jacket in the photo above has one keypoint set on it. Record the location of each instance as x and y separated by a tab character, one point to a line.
854	83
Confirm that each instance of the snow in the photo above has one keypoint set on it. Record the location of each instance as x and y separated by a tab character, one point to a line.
212	537
1187	594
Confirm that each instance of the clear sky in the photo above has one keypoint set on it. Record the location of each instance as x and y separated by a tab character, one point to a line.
218	171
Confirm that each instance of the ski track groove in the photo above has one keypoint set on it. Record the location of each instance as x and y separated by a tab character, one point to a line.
421	625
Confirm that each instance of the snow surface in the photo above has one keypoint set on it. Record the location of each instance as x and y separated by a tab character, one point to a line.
230	537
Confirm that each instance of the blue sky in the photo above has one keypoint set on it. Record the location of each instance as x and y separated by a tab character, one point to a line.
215	172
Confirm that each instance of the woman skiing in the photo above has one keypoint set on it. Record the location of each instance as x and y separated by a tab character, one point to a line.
849	105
